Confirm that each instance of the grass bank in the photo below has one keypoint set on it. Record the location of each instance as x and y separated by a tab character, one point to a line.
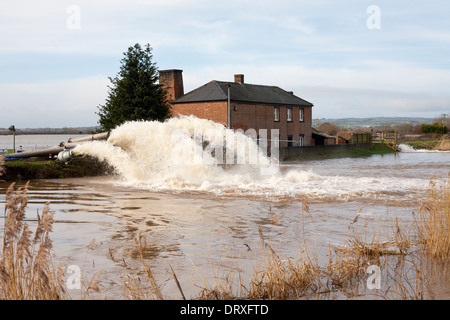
375	149
428	145
38	168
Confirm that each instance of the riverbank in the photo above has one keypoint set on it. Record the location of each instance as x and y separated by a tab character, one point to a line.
363	150
37	168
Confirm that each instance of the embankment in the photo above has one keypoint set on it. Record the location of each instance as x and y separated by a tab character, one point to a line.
333	151
38	168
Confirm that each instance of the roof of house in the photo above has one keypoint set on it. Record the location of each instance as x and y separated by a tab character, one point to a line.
317	132
243	92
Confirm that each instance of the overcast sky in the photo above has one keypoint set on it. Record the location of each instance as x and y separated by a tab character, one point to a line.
350	58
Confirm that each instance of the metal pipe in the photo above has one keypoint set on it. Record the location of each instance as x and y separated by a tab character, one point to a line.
39	153
70	144
65	155
97	136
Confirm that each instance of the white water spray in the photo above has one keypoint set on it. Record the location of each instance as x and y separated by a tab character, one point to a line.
408	149
188	154
181	151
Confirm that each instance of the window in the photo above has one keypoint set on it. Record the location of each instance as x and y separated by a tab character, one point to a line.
301	115
289	114
276	113
289	141
300	140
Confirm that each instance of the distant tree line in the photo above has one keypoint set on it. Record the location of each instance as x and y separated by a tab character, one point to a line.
406	128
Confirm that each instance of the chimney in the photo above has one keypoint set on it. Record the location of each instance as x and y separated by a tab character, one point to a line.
239	78
172	80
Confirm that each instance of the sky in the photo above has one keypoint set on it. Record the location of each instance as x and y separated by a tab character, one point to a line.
350	58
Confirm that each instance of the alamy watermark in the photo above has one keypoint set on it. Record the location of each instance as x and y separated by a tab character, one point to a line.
229	147
73	281
374	280
73	22
374	20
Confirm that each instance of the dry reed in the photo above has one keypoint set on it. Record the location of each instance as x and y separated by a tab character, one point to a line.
433	220
344	275
26	268
136	289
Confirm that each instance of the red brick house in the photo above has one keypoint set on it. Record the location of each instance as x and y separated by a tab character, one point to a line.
239	105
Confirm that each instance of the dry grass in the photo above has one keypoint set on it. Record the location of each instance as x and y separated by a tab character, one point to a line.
135	287
444	143
433	221
26	269
345	275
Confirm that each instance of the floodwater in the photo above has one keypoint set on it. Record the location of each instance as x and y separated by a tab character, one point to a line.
208	228
32	142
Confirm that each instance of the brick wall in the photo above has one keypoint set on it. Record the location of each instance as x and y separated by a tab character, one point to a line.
172	81
215	111
255	116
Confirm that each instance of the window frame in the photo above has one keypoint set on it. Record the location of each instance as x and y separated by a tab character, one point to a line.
276	115
301	140
301	115
289	117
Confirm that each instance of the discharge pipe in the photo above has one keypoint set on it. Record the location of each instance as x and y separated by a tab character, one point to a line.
65	155
59	150
98	136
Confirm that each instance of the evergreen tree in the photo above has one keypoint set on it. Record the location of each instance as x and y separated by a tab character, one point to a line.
135	93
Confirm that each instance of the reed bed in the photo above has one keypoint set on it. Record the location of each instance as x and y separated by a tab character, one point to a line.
345	274
26	268
433	220
279	278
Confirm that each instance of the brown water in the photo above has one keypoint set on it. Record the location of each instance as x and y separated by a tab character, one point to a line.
199	231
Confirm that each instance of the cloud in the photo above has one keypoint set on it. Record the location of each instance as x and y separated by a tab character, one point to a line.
372	91
321	50
332	102
71	102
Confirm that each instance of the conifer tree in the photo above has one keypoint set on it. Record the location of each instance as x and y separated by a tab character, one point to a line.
134	93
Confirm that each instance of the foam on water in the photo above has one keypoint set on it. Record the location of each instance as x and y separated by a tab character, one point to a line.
172	157
409	149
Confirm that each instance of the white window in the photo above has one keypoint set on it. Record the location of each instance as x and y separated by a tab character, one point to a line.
277	113
300	140
301	114
289	114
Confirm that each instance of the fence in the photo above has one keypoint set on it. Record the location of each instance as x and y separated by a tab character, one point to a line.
361	138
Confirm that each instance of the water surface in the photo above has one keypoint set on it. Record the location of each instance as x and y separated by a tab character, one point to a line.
198	230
